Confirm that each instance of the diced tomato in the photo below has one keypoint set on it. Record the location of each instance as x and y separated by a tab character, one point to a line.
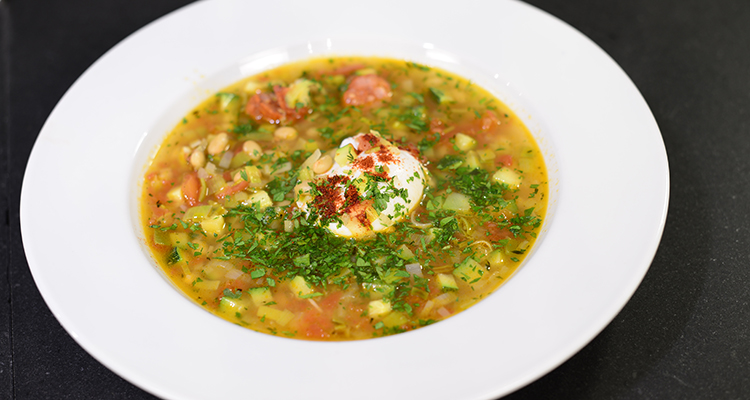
495	232
505	160
273	107
366	90
230	190
264	106
191	186
489	120
317	325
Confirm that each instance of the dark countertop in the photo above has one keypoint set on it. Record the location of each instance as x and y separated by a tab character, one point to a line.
684	334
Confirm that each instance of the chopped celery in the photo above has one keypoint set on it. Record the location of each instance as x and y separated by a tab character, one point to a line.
239	159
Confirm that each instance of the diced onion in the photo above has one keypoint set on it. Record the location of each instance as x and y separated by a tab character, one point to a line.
418	224
233	274
226	160
284	168
443	312
202	173
444	298
414	269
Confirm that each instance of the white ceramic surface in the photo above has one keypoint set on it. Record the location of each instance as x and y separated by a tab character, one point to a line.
606	218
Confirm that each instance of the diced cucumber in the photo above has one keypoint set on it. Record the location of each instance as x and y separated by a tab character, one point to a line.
231	305
260	295
161	238
229	107
299	93
300	287
179	239
440	96
469	271
251	174
239	160
447	282
345	155
405	253
175	256
457	202
450	162
261	198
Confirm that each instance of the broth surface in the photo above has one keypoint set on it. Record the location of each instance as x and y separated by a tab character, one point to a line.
344	198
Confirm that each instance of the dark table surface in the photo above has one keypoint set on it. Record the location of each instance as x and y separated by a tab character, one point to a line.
684	334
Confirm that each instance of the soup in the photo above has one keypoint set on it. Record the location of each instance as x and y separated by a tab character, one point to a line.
344	198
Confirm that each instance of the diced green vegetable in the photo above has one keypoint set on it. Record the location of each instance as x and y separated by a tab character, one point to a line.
282	317
469	271
300	287
345	155
447	282
440	96
465	142
457	202
175	256
261	198
260	295
197	213
161	237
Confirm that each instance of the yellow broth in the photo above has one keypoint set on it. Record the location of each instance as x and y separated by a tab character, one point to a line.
234	212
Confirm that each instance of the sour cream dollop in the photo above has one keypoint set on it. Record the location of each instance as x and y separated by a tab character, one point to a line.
372	185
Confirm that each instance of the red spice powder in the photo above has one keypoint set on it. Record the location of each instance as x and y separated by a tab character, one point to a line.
330	200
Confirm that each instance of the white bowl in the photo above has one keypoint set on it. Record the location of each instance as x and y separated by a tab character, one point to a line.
607	210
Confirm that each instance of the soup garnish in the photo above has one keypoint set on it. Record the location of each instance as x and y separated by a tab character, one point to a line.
344	198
